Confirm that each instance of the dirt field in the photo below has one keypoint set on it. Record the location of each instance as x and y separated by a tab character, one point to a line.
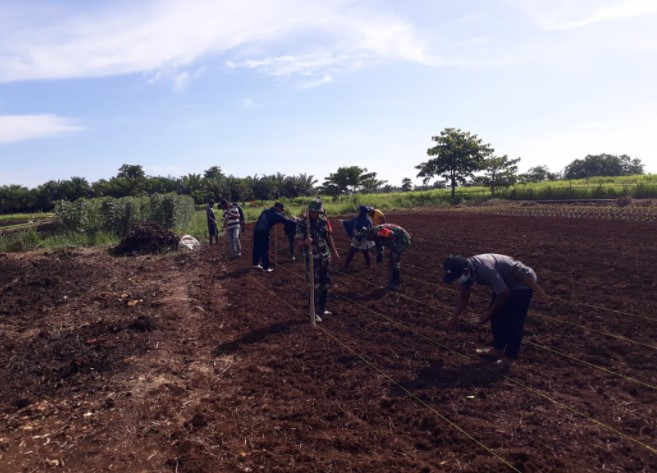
198	363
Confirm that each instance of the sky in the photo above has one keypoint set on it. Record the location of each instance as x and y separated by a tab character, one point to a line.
260	87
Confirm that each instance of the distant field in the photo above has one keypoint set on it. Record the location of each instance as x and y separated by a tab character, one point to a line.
18	221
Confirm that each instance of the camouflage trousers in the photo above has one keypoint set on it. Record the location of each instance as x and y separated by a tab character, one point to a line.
322	279
394	267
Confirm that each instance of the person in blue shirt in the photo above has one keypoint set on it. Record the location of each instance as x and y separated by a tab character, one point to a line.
261	232
357	229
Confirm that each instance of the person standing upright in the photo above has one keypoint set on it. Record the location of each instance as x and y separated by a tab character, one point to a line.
261	232
315	234
242	219
212	222
231	227
377	219
398	240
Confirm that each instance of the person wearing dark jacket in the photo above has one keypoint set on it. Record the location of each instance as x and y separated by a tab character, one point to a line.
267	219
357	229
212	222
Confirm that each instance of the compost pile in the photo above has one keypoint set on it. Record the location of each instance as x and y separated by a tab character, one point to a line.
148	238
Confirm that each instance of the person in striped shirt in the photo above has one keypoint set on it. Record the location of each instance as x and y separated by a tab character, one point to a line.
231	226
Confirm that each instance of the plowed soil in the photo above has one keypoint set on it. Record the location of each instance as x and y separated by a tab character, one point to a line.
195	362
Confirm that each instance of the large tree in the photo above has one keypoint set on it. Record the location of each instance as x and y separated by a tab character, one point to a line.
213	172
407	184
603	165
161	185
129	181
350	179
538	174
301	185
15	198
131	171
500	171
458	155
76	188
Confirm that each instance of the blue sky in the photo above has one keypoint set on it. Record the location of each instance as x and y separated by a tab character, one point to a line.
305	86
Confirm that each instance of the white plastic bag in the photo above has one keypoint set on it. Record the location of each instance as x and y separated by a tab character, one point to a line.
189	242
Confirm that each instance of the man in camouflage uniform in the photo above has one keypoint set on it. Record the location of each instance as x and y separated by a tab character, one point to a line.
397	239
314	231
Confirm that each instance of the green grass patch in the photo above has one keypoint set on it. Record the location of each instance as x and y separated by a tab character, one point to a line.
31	240
23	217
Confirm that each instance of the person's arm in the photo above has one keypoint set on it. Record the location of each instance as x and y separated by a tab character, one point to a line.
498	303
212	217
301	236
242	220
332	245
462	300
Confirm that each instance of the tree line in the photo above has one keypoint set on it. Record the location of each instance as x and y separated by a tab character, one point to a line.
458	158
461	158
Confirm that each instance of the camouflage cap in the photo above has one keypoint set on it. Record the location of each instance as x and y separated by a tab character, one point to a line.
316	206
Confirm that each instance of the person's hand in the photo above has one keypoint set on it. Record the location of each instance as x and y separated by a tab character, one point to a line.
308	242
451	323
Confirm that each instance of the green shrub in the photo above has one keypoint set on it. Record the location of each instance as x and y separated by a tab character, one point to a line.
27	240
120	216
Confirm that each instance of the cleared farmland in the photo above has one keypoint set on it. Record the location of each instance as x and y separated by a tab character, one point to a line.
230	376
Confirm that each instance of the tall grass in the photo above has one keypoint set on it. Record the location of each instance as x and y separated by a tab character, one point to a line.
31	240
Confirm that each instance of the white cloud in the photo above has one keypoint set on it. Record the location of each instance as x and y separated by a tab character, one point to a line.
248	102
14	128
567	14
167	36
326	79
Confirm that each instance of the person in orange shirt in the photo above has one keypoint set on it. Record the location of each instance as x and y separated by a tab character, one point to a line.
398	240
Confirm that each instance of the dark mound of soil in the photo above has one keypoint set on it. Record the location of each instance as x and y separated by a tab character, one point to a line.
147	238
